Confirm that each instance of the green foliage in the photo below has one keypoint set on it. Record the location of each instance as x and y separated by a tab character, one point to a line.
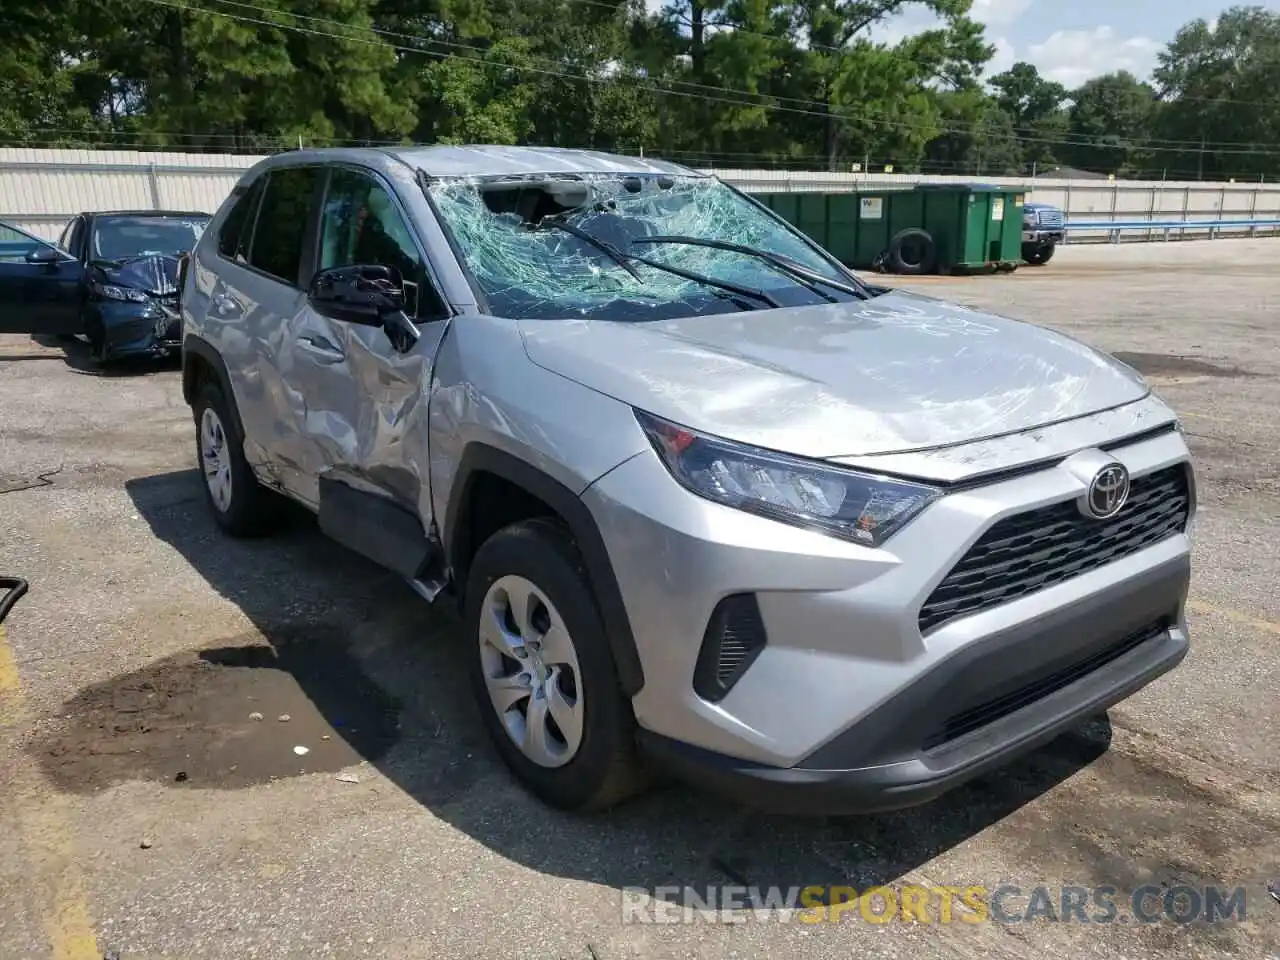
1221	86
1110	120
807	83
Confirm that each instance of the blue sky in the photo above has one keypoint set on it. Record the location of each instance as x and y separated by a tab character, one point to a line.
1074	40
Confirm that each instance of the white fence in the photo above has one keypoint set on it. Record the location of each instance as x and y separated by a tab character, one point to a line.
40	190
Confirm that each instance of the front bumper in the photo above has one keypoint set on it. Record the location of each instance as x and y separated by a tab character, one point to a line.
135	329
1097	672
849	706
1043	236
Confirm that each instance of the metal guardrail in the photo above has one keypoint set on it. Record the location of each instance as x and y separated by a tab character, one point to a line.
1166	224
1114	228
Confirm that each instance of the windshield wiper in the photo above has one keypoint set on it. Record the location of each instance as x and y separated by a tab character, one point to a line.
626	259
801	274
612	252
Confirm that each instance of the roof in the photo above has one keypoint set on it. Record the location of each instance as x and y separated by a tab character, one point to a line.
487	161
143	213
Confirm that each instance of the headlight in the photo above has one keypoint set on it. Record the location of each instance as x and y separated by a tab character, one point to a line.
113	292
864	508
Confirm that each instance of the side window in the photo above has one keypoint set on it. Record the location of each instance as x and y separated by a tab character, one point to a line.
68	232
237	228
15	245
78	230
360	224
282	222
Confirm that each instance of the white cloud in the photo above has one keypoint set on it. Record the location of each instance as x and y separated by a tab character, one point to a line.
1073	56
1005	57
998	13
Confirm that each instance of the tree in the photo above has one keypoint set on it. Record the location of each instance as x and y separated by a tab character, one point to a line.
978	137
1110	119
1035	106
843	72
1218	83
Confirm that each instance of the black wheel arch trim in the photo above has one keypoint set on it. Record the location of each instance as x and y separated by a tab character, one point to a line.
480	458
194	346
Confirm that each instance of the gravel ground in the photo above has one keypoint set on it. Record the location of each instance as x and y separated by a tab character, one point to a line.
155	805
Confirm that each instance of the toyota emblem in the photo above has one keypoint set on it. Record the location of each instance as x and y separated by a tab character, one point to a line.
1108	492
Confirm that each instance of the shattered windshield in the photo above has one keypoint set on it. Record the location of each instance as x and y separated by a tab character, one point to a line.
549	247
121	238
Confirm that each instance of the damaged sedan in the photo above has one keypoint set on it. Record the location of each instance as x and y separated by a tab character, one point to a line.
708	502
112	278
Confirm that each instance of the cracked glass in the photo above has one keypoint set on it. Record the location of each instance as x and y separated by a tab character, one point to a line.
528	267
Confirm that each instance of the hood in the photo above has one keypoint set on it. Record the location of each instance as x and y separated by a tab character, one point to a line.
155	274
898	373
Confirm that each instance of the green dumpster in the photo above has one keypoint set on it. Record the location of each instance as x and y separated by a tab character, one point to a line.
972	226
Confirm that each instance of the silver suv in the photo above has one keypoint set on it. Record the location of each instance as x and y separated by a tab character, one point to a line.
708	503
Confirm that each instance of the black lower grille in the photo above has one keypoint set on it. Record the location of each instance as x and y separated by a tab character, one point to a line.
1037	549
734	638
989	711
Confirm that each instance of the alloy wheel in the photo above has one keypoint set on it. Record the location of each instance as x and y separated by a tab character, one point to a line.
530	668
215	457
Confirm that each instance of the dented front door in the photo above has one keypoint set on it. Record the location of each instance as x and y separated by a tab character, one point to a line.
365	418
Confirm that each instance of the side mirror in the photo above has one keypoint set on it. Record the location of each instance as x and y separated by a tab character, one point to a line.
367	294
364	294
46	255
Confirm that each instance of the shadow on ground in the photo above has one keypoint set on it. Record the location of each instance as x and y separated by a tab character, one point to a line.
363	670
78	355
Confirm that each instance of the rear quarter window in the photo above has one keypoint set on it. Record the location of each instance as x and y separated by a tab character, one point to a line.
281	227
237	227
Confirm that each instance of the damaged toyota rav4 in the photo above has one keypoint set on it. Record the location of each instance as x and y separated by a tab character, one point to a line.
708	503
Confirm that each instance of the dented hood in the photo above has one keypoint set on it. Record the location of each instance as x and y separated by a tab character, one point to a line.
897	373
156	274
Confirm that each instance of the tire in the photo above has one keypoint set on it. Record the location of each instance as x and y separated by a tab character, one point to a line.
1037	255
240	505
912	252
603	767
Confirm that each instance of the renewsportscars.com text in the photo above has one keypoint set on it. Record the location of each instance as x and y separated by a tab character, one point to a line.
1004	903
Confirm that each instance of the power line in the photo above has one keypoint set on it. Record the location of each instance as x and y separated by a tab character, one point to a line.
734	28
1071	139
653	84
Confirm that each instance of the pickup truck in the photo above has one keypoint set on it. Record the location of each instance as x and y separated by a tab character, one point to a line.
1043	228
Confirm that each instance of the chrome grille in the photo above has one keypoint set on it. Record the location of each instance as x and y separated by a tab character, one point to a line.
1052	219
1042	547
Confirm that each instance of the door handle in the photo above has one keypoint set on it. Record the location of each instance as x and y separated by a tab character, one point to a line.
321	349
224	305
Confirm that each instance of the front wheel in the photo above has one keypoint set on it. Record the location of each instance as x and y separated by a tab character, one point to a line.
1037	255
542	671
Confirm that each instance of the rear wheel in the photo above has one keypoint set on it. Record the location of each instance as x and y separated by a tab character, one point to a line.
239	503
542	671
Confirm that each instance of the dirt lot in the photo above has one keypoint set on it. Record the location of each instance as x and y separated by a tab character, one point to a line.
157	679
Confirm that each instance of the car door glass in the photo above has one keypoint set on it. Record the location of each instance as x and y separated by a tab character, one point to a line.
282	222
360	224
237	229
16	245
75	244
68	231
